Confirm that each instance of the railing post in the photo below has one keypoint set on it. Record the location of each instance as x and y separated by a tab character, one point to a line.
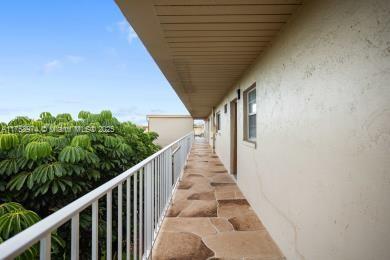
120	221
152	198
172	175
45	248
148	209
141	213
109	226
95	229
166	173
128	212
135	218
75	238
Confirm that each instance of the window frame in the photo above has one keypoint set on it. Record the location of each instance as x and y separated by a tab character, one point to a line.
247	92
218	121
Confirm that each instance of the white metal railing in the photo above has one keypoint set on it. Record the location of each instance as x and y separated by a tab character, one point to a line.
152	183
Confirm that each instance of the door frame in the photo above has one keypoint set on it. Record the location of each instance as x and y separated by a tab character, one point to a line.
233	137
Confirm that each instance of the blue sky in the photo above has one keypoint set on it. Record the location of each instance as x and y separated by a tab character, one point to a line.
65	56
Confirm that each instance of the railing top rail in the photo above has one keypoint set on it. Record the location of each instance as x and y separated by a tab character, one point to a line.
176	149
36	232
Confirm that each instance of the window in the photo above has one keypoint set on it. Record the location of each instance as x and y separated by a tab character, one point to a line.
218	121
250	114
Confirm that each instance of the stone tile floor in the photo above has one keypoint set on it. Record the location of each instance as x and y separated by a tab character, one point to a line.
210	218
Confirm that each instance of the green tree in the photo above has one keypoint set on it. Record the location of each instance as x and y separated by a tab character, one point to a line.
47	163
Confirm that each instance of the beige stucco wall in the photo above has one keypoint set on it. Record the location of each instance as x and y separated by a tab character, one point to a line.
206	129
319	177
170	129
199	130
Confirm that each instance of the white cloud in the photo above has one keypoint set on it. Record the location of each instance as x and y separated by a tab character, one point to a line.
157	111
131	114
122	26
56	64
75	59
51	66
131	35
125	29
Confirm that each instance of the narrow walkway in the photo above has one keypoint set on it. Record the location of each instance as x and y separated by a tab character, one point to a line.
210	218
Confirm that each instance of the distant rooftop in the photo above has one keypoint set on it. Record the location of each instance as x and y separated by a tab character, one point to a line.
168	116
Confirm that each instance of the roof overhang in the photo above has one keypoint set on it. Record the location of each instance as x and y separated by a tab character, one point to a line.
204	46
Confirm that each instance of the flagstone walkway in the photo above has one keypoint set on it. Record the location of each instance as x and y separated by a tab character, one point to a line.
210	218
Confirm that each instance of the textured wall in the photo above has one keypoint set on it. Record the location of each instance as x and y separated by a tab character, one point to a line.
319	177
170	129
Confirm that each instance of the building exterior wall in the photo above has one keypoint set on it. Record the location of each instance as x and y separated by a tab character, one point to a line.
319	176
212	130
199	130
210	133
170	128
206	129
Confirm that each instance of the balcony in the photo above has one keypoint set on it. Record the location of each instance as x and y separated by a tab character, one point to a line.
179	203
209	217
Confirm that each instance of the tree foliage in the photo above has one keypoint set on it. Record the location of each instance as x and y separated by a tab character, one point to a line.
49	162
15	218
